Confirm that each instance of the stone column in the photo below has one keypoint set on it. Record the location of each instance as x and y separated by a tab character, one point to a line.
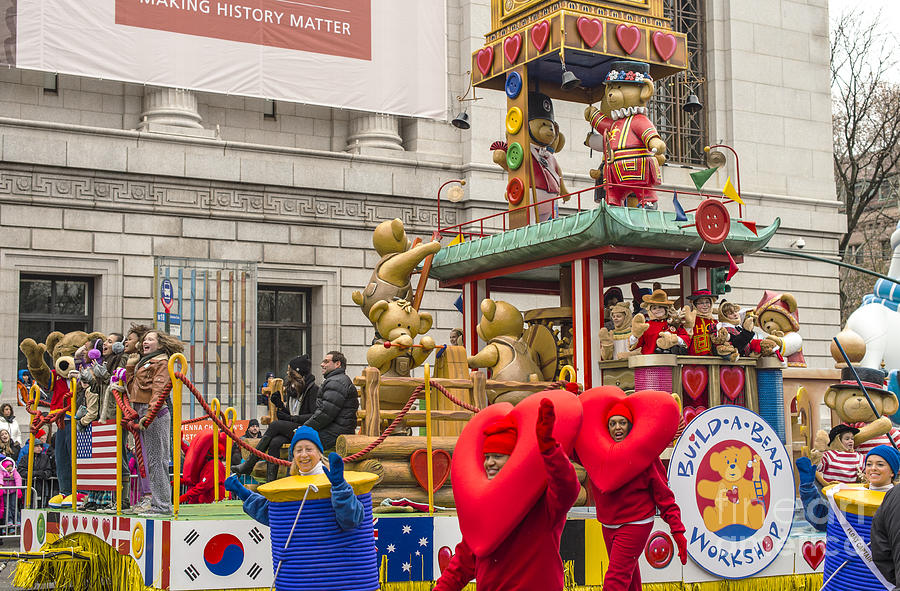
170	107
374	130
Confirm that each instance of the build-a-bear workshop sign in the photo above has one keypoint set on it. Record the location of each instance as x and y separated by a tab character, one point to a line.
732	478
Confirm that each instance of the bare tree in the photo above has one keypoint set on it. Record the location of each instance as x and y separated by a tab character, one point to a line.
866	129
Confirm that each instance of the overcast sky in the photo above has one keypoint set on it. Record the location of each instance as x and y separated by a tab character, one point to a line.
890	9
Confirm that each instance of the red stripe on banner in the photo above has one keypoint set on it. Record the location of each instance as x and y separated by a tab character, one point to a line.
586	315
123	528
164	567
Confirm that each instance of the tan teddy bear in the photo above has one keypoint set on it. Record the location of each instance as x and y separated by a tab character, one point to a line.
61	348
399	324
777	318
614	343
733	495
390	278
508	356
734	337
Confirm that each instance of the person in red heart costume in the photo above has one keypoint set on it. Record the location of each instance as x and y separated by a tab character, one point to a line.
657	335
528	559
199	473
627	513
700	322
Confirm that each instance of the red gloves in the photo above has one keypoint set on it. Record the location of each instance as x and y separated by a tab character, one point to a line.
544	426
681	542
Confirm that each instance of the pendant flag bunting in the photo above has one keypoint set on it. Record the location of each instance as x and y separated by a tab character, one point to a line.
691	260
730	192
732	266
701	176
680	216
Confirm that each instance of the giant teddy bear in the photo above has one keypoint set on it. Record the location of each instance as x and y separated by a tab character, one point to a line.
778	320
633	150
390	278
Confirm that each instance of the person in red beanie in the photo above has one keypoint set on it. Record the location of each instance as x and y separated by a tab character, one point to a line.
528	559
627	514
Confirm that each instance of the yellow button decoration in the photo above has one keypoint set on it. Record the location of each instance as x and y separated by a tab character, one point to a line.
514	120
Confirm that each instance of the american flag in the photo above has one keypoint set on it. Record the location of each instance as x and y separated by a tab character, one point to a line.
408	544
95	448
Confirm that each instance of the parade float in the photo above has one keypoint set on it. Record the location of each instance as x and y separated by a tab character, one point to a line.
753	406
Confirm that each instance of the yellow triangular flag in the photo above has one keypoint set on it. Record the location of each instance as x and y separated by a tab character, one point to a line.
730	192
458	240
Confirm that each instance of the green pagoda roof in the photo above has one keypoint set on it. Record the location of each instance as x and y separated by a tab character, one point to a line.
589	230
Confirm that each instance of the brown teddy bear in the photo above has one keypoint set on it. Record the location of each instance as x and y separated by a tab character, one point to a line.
508	356
735	337
777	318
60	347
847	401
546	141
399	324
733	495
633	148
390	278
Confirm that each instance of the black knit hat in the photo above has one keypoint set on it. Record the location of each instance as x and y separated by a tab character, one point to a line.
301	364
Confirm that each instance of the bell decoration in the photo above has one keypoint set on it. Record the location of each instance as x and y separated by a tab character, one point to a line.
692	104
461	121
569	80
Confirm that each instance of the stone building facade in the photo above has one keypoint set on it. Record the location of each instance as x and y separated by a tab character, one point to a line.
105	180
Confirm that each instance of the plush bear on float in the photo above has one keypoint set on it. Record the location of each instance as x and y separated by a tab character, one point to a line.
778	320
399	258
633	150
396	353
546	141
506	354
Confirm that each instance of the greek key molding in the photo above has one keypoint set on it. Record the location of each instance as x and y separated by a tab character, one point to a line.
221	200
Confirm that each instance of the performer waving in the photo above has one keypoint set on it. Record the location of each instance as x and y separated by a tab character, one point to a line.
528	559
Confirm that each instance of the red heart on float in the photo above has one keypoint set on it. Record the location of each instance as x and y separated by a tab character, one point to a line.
106	529
665	44
444	556
511	47
95	522
64	522
694	379
814	553
629	37
590	30
440	467
731	379
609	464
539	35
690	412
484	59
489	510
84	522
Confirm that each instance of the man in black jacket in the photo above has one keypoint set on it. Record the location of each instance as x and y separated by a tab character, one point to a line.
337	403
885	536
301	396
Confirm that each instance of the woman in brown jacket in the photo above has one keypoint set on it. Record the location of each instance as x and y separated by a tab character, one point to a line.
147	378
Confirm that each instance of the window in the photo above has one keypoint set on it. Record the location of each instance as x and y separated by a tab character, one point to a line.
283	324
684	133
48	303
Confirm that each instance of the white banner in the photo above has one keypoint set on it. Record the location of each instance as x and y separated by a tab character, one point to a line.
386	56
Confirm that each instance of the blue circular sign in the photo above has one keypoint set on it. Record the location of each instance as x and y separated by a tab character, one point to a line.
513	84
166	292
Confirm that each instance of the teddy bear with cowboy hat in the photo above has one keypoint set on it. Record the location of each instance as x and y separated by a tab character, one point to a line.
661	332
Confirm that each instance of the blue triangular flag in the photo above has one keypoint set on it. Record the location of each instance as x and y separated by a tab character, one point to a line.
458	304
692	259
680	216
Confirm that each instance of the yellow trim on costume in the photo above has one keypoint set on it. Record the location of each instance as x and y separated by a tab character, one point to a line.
292	488
857	500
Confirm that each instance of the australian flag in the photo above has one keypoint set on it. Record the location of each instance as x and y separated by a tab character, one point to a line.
408	544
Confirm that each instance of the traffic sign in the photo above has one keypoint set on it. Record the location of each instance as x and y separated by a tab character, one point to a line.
166	294
173	318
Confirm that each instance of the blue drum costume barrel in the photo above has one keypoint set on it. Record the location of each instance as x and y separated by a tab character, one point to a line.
858	505
320	555
770	388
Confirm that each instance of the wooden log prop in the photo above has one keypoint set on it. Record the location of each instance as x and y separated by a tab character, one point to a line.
372	466
393	448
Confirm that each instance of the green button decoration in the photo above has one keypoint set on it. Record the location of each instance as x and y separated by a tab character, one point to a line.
514	155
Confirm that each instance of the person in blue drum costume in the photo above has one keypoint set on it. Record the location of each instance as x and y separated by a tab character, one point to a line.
315	512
